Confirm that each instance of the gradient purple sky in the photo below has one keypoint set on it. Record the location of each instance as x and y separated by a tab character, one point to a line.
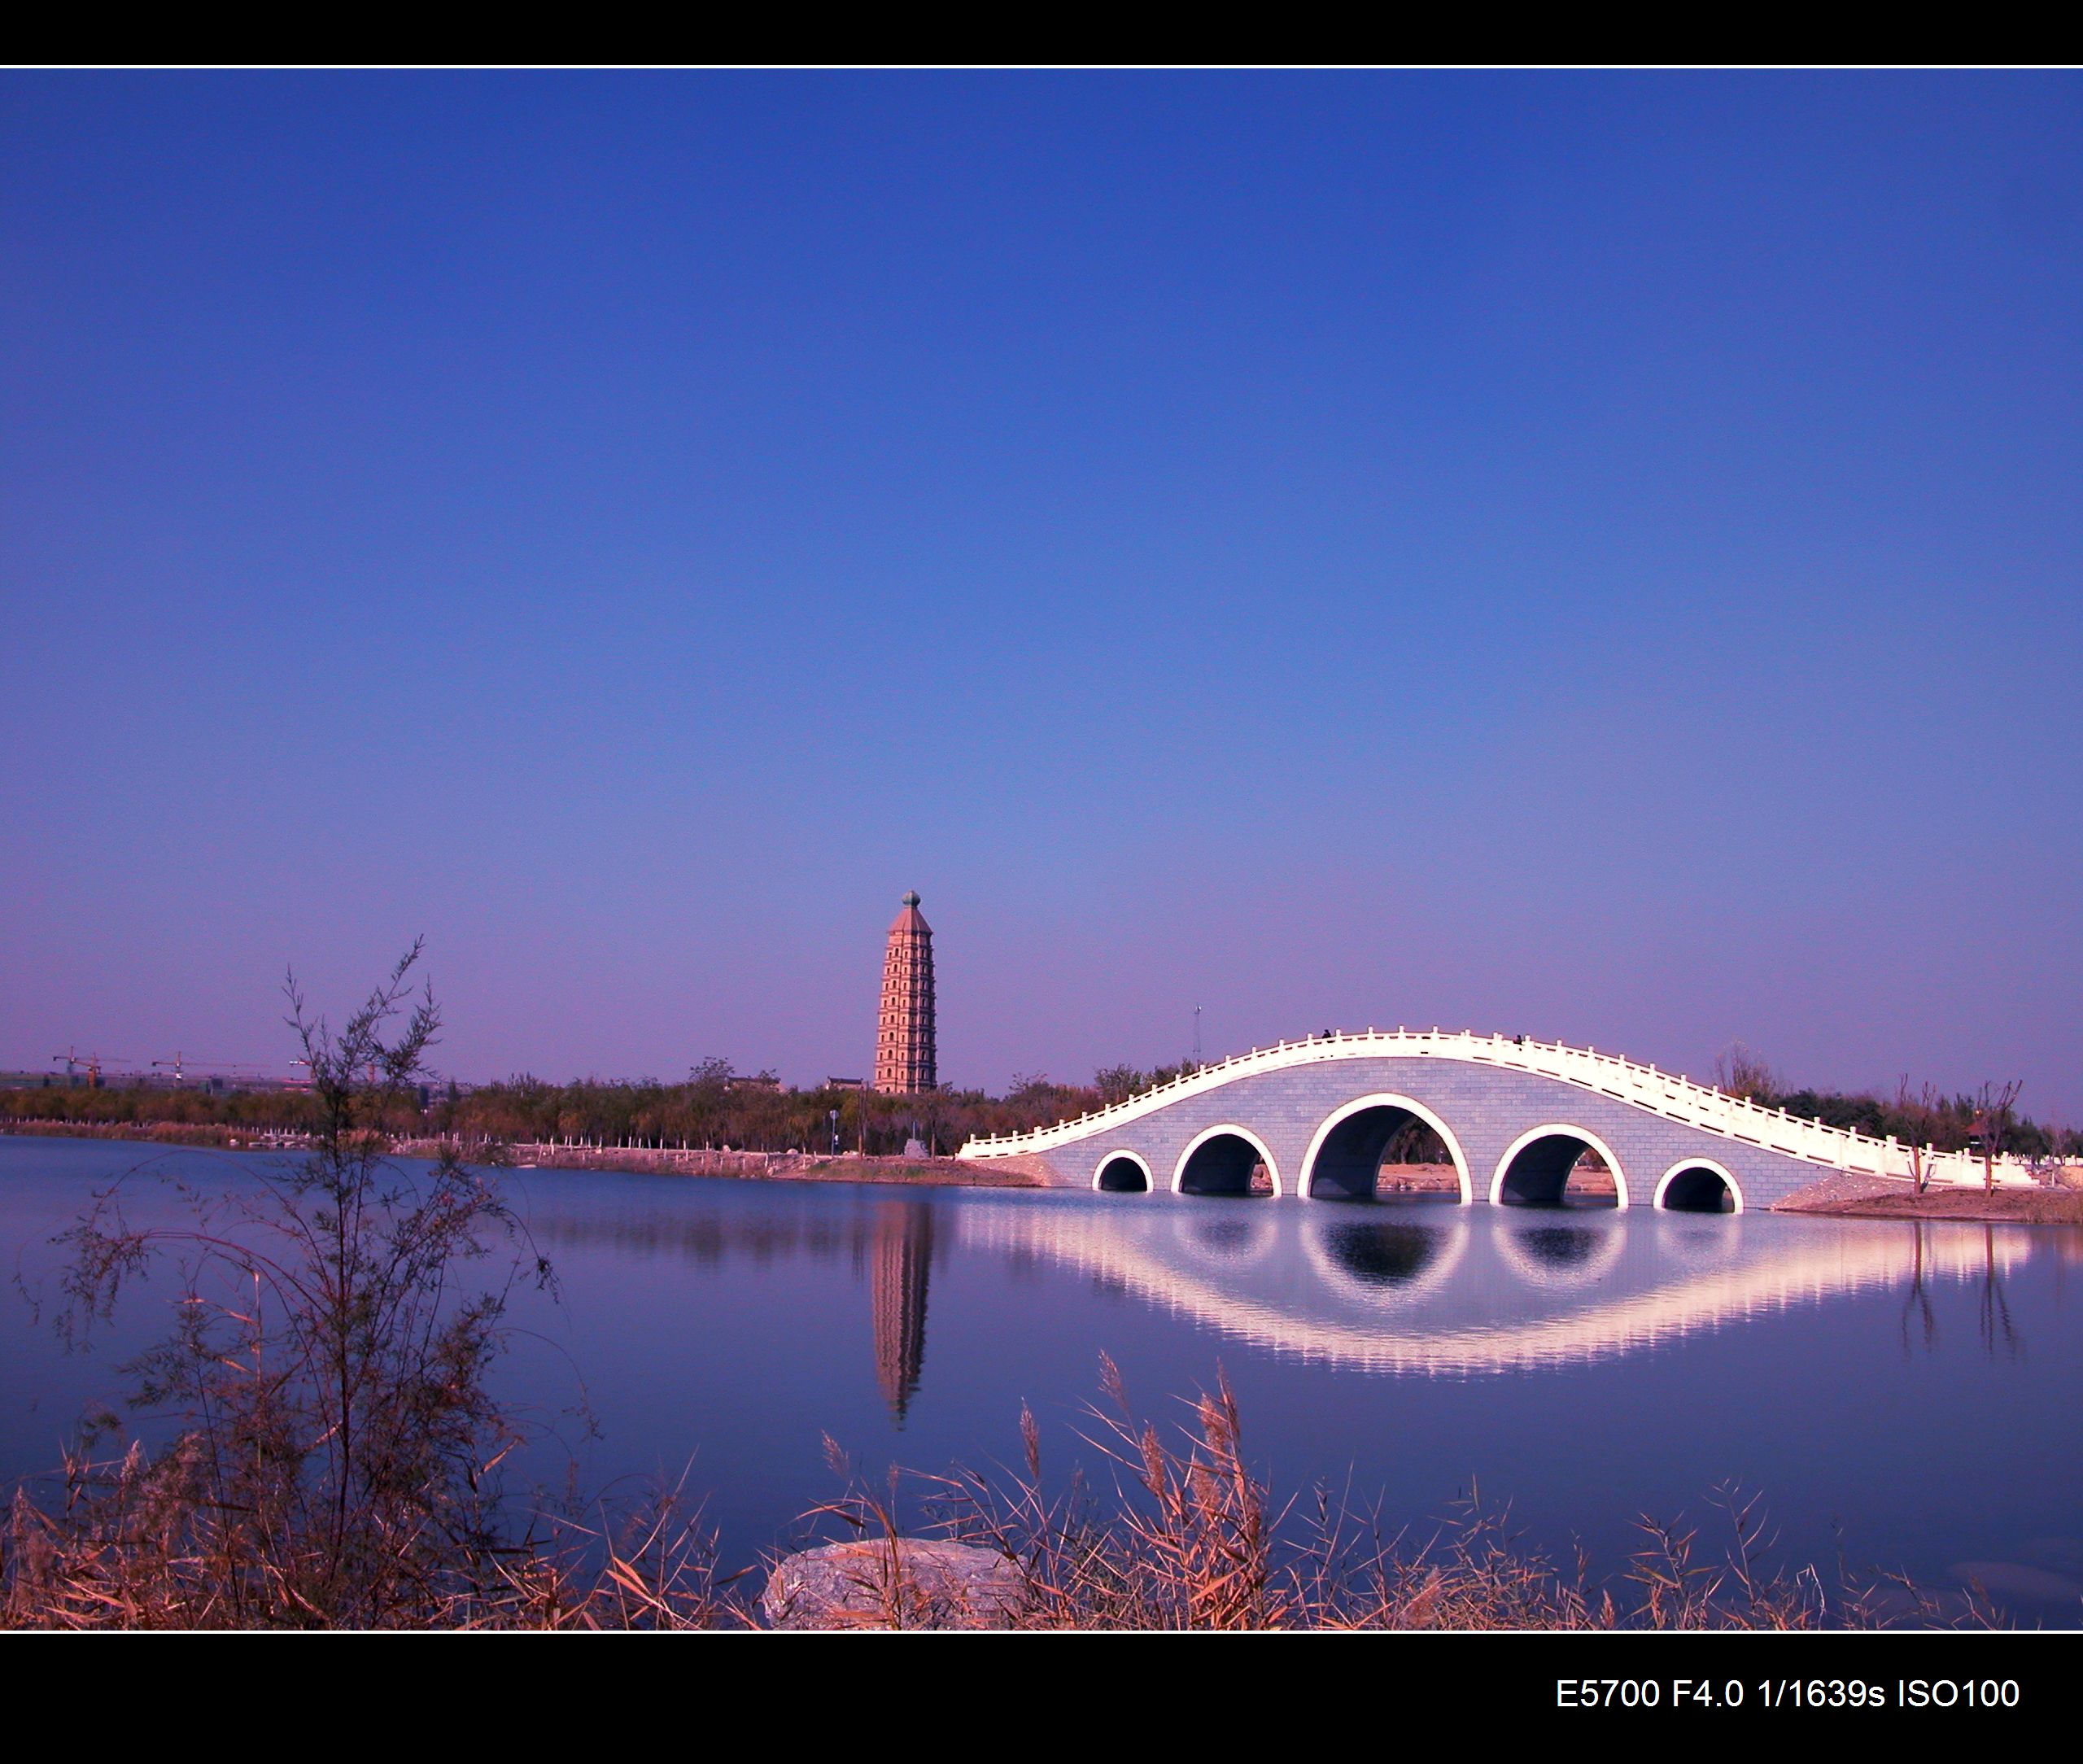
1589	555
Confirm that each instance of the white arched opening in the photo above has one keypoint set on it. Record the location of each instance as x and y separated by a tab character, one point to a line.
1136	1158
1227	1129
1662	1199
1558	1130
1385	1099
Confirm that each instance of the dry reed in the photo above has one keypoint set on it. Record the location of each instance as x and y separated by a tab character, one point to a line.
1184	1536
1179	1534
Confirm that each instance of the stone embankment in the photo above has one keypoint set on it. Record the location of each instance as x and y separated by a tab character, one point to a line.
215	1136
770	1166
645	1160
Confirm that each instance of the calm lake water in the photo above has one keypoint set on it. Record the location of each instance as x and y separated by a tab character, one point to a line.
1909	1394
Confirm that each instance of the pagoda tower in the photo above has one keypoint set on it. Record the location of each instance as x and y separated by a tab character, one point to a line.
904	1033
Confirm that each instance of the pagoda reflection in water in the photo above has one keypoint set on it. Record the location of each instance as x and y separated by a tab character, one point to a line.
900	1252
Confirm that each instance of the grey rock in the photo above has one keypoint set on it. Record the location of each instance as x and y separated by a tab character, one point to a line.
893	1584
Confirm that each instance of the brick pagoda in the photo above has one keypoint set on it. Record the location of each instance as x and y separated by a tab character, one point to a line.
905	1063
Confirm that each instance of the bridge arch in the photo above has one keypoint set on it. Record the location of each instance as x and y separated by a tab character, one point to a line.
1697	1184
1536	1165
1122	1172
1218	1160
1360	1131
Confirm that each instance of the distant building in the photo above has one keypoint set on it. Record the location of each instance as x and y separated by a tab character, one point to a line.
752	1080
904	1060
846	1084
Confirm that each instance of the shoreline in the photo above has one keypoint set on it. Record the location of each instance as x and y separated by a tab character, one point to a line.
763	1166
633	1160
1873	1197
1835	1196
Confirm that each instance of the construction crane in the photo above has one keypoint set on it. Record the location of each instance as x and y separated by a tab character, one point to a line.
92	1062
210	1068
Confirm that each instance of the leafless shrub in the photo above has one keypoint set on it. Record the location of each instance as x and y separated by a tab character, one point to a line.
337	1455
1990	1122
1921	1114
1739	1072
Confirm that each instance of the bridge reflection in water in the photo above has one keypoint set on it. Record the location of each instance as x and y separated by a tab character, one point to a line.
1402	1287
1461	1292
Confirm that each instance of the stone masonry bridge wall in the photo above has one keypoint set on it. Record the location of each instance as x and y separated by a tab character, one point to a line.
1285	1104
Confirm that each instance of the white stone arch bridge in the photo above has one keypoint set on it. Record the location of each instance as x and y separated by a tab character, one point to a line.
1514	1115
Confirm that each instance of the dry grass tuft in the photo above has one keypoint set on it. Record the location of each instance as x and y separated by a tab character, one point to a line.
139	1544
1186	1537
1180	1535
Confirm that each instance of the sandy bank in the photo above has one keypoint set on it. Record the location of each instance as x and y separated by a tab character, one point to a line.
1870	1196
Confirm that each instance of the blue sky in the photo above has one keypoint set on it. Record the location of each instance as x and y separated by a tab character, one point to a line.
1589	555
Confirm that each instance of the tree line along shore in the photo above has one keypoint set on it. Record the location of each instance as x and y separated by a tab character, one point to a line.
718	1123
714	1108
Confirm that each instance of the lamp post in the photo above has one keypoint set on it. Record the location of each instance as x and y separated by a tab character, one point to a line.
834	1114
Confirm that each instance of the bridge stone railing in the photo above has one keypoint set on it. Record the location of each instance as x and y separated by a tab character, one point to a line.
1668	1094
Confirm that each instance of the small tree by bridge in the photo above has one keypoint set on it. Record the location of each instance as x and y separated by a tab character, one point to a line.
1990	1123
